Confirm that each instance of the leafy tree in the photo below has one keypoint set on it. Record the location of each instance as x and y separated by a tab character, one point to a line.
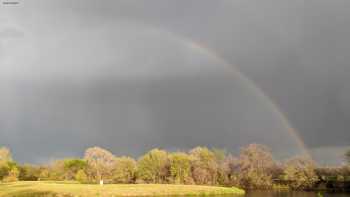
180	167
125	170
72	166
12	175
255	164
28	173
81	176
152	166
204	166
5	162
253	169
100	163
5	170
44	174
220	154
56	171
5	154
301	172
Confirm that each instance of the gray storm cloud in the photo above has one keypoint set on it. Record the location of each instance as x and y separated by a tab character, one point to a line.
119	75
131	90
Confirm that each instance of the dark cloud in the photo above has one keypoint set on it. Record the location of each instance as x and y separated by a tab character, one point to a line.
129	117
295	51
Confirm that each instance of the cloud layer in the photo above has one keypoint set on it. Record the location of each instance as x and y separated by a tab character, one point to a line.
118	71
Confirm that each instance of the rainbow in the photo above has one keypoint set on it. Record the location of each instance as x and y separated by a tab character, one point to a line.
212	54
197	46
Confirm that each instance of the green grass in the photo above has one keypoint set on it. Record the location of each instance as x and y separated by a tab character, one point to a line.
68	189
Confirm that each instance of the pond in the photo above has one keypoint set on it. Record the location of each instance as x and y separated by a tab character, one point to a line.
293	194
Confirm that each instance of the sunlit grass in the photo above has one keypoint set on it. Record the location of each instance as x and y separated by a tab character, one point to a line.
45	188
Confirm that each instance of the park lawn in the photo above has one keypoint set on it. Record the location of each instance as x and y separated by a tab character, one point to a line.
47	188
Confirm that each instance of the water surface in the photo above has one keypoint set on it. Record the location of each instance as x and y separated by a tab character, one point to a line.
293	194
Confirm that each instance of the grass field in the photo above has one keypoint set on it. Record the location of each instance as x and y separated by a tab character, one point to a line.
67	189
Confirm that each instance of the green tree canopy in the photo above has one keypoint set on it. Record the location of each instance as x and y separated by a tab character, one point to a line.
72	166
124	170
152	166
180	167
29	172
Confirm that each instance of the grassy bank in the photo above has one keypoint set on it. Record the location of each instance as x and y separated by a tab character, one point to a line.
43	188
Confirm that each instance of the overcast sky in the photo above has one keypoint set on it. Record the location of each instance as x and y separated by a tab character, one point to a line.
132	75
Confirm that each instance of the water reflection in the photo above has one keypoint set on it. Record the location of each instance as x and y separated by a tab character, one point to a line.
293	194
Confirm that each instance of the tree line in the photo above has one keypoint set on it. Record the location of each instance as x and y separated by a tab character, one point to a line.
253	168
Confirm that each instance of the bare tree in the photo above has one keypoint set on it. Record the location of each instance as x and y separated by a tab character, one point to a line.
255	164
301	172
204	166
